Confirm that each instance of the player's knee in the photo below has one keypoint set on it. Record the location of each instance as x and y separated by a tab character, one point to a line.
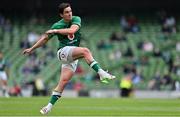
86	51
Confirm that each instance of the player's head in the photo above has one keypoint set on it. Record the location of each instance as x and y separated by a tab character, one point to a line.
65	11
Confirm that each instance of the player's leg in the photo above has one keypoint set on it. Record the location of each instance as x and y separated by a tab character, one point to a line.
4	84
66	74
80	52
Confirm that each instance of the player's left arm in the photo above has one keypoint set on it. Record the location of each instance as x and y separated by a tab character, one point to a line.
65	31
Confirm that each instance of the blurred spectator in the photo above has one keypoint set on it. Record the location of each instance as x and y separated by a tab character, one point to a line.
117	36
166	55
32	37
176	69
169	26
168	59
128	68
32	65
128	52
116	55
136	77
104	45
15	90
176	66
154	84
39	88
24	44
124	24
26	69
133	24
126	85
148	46
166	30
170	22
166	80
161	16
157	52
140	45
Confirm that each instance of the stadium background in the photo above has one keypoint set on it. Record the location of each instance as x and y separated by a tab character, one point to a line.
99	20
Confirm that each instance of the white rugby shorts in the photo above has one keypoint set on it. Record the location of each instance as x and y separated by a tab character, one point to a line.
3	75
65	55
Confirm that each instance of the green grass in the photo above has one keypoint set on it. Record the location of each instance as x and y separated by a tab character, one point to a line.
92	107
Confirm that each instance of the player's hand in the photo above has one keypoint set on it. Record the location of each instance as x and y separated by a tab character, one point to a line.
51	31
27	51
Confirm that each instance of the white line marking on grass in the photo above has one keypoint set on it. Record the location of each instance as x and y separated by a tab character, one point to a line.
88	116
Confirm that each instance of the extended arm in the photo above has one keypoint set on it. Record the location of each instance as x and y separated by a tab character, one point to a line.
43	39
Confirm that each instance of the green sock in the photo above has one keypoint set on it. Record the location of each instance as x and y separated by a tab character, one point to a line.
95	66
54	97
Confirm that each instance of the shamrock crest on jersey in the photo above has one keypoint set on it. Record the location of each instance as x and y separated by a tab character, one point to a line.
70	36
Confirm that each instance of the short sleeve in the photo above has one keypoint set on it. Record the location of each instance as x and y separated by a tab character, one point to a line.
76	20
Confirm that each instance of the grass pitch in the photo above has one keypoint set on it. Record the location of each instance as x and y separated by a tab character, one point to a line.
91	107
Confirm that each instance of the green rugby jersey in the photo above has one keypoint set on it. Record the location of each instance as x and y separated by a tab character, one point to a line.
67	40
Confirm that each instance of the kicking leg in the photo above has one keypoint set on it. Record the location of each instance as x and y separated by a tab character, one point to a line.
80	52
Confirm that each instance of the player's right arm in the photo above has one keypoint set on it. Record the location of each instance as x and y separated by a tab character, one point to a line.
43	40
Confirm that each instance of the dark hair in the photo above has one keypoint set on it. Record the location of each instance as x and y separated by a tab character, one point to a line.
62	6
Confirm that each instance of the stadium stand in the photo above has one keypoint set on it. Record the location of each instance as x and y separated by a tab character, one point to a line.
94	30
